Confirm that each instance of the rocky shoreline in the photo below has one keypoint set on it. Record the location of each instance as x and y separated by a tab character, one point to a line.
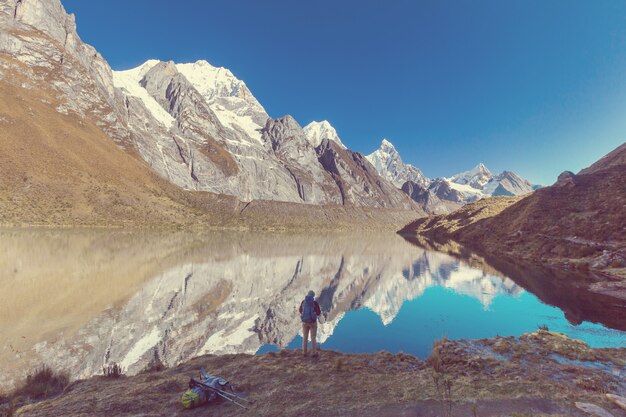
542	373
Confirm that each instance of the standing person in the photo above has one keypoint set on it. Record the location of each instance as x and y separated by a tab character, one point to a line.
309	311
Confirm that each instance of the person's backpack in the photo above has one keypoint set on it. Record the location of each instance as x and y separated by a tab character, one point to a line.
308	310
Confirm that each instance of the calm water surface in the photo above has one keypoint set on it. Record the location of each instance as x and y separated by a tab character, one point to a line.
79	299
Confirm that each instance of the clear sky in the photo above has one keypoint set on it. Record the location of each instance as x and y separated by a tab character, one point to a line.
533	86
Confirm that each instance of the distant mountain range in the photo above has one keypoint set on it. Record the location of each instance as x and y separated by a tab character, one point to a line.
195	125
443	194
297	152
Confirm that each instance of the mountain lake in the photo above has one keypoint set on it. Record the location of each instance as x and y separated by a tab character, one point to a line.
75	299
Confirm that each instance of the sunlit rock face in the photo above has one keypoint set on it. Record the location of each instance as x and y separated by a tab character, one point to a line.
87	299
387	161
194	124
40	44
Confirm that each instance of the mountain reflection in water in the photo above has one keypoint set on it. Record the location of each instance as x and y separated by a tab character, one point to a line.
76	299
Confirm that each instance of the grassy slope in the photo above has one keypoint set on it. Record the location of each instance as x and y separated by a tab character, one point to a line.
570	223
494	374
58	169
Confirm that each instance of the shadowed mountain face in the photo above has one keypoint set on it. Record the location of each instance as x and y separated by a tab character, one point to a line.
77	300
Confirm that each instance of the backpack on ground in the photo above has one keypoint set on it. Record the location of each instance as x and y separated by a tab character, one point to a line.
208	389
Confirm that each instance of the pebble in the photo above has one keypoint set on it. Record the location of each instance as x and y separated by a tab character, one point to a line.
593	410
616	399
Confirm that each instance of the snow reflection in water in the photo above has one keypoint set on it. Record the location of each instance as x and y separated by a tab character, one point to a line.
77	299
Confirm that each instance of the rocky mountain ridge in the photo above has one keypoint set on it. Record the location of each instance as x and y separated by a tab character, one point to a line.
250	156
195	125
439	195
202	129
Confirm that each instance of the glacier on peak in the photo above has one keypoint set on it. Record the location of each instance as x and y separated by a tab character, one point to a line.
129	82
390	166
226	95
476	177
316	132
218	82
445	193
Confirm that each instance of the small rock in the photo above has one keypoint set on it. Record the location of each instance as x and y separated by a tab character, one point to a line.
616	399
593	410
565	178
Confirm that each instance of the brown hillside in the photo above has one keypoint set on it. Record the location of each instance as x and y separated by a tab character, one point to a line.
60	169
614	158
541	373
579	221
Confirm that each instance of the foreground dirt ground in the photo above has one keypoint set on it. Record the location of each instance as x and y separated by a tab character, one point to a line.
538	374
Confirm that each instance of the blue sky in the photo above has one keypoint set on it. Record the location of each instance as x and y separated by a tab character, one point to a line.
533	86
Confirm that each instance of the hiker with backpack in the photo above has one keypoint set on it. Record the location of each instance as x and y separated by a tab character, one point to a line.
309	312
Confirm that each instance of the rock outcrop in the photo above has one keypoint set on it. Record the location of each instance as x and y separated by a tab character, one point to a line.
426	198
287	140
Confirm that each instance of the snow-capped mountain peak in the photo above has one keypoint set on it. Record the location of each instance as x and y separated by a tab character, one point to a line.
480	182
129	82
387	148
227	96
316	132
479	169
476	177
214	82
385	144
389	165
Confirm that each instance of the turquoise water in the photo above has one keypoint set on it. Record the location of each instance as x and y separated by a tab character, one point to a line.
441	312
130	296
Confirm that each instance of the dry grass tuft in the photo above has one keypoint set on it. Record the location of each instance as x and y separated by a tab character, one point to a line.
155	364
112	370
441	376
43	383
